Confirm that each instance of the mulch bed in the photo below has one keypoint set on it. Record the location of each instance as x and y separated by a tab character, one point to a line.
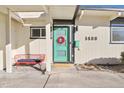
119	68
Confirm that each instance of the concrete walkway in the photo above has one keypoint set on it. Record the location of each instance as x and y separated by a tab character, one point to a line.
23	77
61	77
71	78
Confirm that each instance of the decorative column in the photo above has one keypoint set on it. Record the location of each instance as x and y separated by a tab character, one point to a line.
48	43
1	59
8	44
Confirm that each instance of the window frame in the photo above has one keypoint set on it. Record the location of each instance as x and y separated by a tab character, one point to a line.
37	37
111	36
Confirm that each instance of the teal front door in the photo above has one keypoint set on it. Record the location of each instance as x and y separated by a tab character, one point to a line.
61	43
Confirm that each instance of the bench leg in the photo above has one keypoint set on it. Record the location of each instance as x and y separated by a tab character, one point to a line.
40	66
16	65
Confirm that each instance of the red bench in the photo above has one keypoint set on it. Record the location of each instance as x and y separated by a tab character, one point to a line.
29	59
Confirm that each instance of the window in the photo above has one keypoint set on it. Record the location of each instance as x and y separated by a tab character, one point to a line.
37	32
117	30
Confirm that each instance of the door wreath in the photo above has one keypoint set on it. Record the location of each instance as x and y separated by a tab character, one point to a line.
61	40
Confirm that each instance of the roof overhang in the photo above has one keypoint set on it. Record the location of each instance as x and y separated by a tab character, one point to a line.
62	11
102	7
101	13
55	11
21	13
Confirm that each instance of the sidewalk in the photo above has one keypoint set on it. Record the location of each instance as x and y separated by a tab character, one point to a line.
61	77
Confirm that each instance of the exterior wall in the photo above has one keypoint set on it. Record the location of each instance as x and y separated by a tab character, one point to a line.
20	39
3	30
96	51
2	39
14	30
25	45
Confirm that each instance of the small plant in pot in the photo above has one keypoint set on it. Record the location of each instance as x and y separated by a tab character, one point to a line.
122	57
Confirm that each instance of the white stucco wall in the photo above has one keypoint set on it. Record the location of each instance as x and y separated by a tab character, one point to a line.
14	29
20	38
2	39
25	45
3	30
96	26
88	26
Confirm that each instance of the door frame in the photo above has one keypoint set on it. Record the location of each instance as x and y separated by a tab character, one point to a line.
70	45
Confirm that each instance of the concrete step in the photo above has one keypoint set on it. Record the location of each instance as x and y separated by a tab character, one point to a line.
61	65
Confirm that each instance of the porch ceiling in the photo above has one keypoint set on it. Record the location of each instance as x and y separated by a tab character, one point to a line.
25	8
56	11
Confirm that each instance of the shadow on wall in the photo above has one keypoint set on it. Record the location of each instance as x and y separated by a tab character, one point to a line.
112	60
25	45
22	44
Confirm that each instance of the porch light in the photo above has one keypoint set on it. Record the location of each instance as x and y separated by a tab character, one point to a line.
119	13
81	14
29	14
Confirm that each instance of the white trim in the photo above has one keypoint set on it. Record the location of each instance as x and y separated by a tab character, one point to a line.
119	42
70	43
